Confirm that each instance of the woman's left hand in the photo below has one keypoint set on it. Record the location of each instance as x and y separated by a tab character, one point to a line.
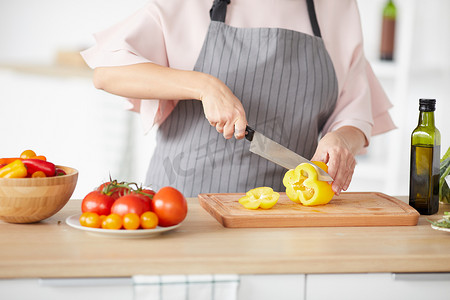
338	149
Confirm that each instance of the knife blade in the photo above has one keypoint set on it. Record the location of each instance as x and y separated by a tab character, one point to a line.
282	156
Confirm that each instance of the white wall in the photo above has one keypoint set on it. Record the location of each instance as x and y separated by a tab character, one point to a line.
32	31
66	118
421	70
91	131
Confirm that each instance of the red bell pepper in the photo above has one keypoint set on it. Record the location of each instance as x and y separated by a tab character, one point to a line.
34	165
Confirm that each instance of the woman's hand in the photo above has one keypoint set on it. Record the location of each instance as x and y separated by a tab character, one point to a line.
338	149
223	109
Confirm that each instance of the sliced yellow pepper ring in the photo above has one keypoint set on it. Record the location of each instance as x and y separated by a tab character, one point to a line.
302	185
263	197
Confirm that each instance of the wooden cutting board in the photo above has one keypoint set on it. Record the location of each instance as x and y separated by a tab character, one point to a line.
347	209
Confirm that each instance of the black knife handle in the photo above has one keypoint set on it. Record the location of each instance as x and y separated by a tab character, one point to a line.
249	132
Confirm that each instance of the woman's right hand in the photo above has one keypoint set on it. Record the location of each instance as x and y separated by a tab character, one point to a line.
223	109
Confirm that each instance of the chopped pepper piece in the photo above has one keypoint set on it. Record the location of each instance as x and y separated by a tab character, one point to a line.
16	169
263	197
302	185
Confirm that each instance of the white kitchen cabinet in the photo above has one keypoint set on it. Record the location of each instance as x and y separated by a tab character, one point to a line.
377	286
370	286
67	289
270	287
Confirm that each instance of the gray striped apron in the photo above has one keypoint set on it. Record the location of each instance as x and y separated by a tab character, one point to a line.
287	85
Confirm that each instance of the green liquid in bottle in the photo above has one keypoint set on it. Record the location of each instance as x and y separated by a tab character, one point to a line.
424	179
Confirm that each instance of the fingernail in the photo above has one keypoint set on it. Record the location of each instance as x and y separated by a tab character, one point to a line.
337	190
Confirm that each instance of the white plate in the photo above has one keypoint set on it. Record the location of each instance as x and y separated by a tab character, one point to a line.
74	221
440	228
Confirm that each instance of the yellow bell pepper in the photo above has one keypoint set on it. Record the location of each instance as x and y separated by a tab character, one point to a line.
302	185
16	169
263	197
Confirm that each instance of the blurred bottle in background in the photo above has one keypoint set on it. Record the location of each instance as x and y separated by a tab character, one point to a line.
388	31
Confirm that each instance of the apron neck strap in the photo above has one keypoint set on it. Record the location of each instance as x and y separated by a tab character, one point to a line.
313	18
218	10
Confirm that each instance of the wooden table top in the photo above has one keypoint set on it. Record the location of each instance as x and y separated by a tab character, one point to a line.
201	245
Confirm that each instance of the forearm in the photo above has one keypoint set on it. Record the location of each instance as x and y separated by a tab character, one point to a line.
150	81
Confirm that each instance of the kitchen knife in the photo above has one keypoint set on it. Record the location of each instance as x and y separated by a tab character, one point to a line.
271	150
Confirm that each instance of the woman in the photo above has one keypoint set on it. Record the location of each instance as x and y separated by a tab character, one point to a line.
293	70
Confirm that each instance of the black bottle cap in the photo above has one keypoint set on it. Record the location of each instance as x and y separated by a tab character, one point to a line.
427	104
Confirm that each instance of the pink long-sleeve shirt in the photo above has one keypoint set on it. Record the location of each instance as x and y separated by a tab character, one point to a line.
171	33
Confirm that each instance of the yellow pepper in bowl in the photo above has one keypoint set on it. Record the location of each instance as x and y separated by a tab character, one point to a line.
16	169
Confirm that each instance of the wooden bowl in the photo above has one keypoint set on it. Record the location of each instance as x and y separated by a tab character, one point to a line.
30	200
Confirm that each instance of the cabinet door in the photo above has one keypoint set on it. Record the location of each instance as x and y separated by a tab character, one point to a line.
270	287
67	289
377	286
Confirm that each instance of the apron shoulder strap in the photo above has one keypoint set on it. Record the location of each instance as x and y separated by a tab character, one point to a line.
218	10
218	13
313	18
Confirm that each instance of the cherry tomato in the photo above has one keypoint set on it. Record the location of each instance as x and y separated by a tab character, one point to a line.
38	174
41	157
83	218
102	218
92	220
28	154
112	221
170	206
97	202
60	172
131	221
149	220
131	203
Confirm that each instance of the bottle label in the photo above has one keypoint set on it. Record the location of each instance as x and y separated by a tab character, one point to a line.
424	179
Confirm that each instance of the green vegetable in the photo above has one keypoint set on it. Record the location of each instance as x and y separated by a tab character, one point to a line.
444	223
444	190
446	155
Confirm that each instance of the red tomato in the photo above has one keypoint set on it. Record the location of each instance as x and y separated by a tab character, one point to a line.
149	192
146	193
97	202
114	192
131	203
170	206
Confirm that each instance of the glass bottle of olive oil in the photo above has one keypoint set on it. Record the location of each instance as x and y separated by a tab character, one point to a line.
425	156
